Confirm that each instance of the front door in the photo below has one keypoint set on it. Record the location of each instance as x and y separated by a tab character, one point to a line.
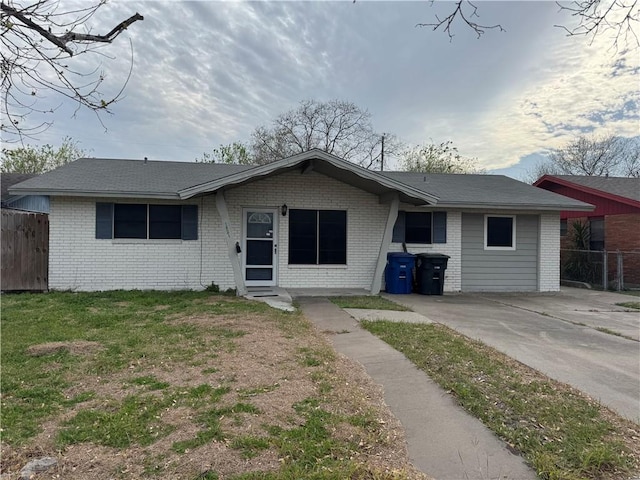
260	252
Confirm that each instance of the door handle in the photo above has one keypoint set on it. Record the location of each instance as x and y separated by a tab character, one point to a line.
275	249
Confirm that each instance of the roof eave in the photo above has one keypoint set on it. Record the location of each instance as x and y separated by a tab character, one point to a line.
102	194
265	170
585	189
531	206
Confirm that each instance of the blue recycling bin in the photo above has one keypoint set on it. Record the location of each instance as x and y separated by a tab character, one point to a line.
398	275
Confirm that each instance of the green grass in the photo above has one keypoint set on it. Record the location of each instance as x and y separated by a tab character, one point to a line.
560	433
633	293
368	302
635	305
128	325
133	331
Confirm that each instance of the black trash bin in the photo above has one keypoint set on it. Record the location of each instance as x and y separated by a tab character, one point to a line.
430	269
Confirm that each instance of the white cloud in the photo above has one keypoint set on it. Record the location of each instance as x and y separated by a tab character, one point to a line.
207	73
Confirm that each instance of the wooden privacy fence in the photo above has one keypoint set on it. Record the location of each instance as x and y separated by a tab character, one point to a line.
25	251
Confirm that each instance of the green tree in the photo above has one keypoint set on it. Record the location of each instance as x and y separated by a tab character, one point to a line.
30	159
236	153
438	158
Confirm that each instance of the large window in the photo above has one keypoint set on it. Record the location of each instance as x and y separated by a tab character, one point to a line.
142	221
317	237
499	232
420	227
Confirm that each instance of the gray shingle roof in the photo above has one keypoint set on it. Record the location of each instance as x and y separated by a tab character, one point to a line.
621	186
137	178
482	190
127	177
10	179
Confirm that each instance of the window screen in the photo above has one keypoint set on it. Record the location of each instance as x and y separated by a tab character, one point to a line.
129	220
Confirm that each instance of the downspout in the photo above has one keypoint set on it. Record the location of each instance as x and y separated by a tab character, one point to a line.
221	205
376	283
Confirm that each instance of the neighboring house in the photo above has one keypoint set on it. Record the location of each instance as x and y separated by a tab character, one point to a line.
615	222
614	225
27	203
308	221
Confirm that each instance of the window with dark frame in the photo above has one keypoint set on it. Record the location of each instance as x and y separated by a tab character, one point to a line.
420	227
165	221
596	233
499	232
143	221
317	237
563	227
129	220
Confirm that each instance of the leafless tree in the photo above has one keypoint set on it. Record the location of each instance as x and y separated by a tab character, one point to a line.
592	18
40	46
337	127
606	155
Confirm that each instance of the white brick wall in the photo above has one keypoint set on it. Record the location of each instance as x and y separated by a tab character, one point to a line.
549	253
366	219
78	261
453	248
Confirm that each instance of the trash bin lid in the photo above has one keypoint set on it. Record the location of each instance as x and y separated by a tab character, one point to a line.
400	255
433	255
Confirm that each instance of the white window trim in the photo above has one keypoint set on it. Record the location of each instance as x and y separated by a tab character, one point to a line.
513	232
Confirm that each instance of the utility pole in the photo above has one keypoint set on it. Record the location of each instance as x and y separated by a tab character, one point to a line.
382	154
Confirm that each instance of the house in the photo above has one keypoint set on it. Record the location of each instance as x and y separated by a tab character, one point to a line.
308	221
26	203
614	225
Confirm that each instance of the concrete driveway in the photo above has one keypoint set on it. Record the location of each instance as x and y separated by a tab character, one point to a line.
555	334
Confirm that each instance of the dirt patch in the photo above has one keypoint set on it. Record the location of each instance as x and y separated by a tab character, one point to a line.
78	347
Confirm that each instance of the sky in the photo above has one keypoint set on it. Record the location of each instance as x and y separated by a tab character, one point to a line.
207	73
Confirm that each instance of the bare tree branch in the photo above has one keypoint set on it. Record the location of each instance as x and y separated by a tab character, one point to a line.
38	45
467	17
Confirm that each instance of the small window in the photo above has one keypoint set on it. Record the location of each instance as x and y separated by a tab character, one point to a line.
596	237
499	232
129	220
317	237
563	227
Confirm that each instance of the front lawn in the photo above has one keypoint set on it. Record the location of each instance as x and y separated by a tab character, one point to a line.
185	385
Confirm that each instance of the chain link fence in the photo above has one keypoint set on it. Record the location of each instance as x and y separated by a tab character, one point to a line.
601	269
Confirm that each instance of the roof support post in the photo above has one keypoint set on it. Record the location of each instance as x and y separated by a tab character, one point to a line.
376	283
221	205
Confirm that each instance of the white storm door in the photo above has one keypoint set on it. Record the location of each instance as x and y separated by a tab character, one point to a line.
260	242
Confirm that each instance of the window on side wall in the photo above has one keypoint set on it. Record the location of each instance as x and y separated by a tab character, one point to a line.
563	227
596	237
317	237
420	227
499	232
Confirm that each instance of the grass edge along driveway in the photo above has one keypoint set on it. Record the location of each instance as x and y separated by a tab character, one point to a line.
562	433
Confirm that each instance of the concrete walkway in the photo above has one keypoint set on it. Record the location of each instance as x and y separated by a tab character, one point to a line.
442	439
